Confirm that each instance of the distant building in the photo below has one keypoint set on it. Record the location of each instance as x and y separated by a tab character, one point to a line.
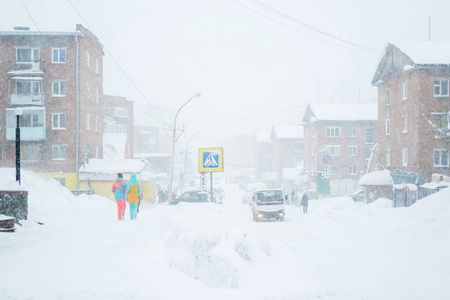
413	91
338	144
118	120
288	152
56	78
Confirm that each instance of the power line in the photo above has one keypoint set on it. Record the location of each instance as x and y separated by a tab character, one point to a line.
359	48
120	67
310	27
30	15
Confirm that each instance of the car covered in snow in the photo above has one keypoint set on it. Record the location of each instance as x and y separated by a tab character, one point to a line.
191	197
268	204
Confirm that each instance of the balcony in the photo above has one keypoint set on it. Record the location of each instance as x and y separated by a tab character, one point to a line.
31	68
26	99
26	133
31	123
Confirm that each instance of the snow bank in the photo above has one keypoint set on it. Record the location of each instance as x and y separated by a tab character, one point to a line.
377	178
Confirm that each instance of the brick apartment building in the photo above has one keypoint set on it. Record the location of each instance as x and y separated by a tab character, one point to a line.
338	142
413	87
57	79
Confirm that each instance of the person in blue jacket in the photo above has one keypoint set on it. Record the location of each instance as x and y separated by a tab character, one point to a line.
133	192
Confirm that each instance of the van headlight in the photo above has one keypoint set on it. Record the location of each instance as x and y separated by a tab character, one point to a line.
281	213
260	215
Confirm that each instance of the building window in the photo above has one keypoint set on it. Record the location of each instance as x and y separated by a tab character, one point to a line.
388	157
96	95
404	157
441	88
332	131
388	97
370	135
297	159
352	150
88	89
59	89
27	87
59	55
31	119
388	127
352	170
27	55
96	66
29	153
441	158
334	170
58	121
441	121
1	153
58	152
96	124
352	132
334	150
88	121
368	152
405	91
88	60
405	124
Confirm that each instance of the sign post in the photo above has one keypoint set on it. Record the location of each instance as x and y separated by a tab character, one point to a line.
210	160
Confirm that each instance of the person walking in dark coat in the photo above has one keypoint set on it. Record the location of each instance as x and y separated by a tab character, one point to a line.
304	203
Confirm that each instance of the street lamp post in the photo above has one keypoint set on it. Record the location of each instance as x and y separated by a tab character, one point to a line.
174	139
18	111
185	156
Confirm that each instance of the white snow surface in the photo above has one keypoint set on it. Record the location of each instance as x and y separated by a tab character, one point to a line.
382	177
339	250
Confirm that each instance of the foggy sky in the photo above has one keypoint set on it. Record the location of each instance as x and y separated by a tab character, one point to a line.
254	66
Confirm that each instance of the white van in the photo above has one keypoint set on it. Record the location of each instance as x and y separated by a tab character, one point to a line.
268	204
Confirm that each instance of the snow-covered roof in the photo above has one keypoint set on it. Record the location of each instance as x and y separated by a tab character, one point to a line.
288	131
151	154
377	178
345	112
435	185
293	173
109	166
40	33
426	52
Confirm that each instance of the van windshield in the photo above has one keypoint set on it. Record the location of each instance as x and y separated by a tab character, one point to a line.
269	197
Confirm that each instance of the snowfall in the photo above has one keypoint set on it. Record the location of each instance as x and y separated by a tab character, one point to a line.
73	247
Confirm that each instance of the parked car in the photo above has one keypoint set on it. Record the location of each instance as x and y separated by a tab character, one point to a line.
191	197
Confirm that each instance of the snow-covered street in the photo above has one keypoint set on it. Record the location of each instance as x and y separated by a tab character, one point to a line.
339	250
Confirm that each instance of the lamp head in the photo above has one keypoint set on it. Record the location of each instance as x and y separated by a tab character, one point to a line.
18	111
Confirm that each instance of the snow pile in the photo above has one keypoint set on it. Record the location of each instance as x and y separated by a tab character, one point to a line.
377	178
339	250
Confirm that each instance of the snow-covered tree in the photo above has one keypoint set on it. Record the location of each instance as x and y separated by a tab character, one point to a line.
442	128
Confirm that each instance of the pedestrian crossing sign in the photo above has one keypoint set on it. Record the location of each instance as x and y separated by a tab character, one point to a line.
210	160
